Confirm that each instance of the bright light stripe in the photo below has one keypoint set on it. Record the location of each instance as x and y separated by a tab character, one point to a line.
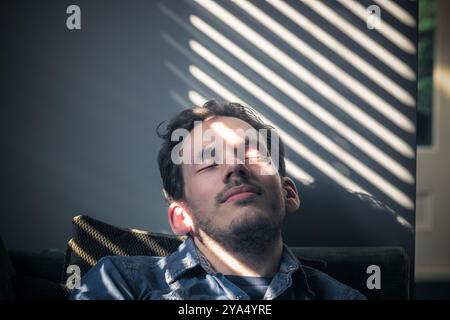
385	29
297	173
296	146
442	78
351	57
303	74
155	246
284	86
294	170
226	133
197	98
364	171
398	12
329	67
81	253
371	46
116	250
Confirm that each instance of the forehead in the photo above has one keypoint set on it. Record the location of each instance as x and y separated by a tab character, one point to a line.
219	122
230	129
216	132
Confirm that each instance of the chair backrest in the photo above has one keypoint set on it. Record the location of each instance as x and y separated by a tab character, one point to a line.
355	267
93	239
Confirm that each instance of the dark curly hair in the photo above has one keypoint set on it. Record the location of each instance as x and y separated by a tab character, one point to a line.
171	173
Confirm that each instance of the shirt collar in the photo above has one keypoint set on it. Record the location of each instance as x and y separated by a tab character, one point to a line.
188	257
290	264
185	258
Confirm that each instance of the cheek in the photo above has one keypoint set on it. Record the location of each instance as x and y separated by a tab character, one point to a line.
202	190
274	190
198	187
272	183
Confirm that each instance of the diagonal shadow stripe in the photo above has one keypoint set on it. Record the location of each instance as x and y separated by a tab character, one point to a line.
345	53
359	141
353	137
355	86
372	177
398	12
294	170
291	142
361	39
303	74
385	29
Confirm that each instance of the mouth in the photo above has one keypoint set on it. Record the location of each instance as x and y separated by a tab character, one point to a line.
240	196
240	193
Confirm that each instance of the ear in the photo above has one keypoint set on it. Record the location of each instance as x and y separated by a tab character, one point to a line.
291	197
179	219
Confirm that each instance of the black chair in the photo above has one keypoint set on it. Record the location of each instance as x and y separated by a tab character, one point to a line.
93	239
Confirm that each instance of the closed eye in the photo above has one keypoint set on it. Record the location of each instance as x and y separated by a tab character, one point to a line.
208	167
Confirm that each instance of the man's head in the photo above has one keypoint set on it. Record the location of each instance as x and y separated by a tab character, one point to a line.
232	202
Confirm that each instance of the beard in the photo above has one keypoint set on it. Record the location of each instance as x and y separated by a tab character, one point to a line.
249	235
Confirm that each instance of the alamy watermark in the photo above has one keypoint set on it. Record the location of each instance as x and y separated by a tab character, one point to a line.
221	145
73	21
373	17
374	280
74	278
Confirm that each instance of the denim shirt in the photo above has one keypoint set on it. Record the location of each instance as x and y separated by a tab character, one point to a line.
186	274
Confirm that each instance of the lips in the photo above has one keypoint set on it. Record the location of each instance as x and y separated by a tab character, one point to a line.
240	192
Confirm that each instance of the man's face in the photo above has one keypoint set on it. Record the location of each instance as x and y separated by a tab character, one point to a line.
227	200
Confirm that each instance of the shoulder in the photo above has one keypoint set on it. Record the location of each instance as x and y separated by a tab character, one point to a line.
129	264
326	287
115	277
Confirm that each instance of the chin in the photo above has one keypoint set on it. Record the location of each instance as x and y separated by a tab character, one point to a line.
251	223
248	214
251	201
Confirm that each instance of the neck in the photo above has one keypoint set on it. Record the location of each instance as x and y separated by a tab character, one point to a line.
264	263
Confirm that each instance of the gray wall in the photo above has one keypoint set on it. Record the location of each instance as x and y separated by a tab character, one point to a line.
79	111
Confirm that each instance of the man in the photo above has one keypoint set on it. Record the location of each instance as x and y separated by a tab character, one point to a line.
230	194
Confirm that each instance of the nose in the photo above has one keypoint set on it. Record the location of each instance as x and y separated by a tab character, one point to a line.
235	172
